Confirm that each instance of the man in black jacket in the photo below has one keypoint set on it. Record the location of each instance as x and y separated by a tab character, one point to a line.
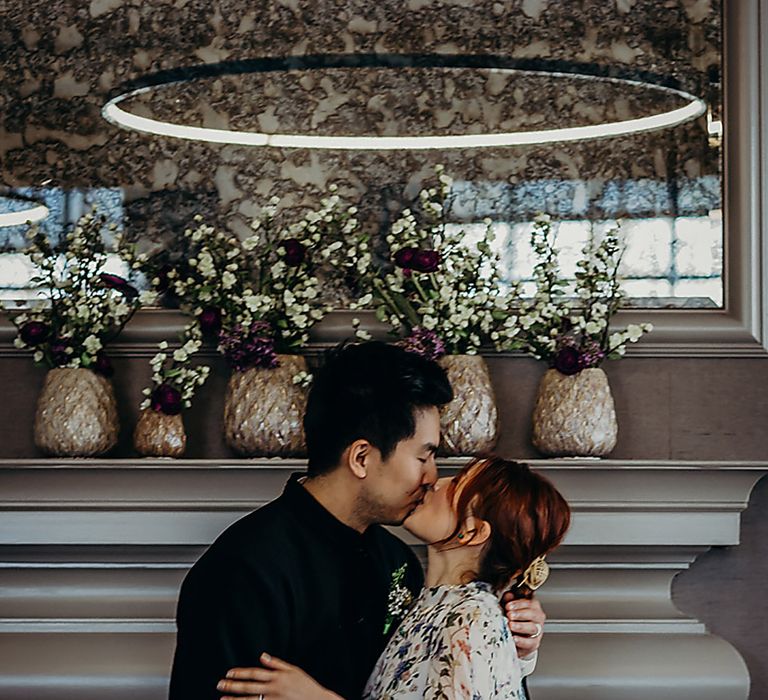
307	578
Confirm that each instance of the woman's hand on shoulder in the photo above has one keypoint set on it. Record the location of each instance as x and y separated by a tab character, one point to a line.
277	680
526	620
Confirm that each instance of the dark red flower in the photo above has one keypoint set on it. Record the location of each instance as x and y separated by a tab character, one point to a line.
166	399
568	360
252	346
294	252
34	332
404	257
59	354
426	261
210	320
103	365
118	283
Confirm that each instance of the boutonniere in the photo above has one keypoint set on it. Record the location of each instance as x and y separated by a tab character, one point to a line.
399	598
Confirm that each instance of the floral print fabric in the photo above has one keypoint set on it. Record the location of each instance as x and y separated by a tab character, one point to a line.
454	644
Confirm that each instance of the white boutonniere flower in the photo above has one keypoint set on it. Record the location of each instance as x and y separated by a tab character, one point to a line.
399	598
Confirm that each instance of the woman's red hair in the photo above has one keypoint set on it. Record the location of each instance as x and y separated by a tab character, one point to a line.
527	514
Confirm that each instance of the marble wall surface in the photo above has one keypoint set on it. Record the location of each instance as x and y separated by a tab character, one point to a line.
61	60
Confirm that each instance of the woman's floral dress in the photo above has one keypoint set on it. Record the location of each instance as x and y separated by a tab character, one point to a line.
454	644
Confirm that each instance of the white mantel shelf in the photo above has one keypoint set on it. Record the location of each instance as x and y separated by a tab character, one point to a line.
92	553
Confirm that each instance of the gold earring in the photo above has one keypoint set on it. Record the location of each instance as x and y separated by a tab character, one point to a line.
536	574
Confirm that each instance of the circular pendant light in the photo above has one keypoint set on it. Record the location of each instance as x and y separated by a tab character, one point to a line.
692	108
20	210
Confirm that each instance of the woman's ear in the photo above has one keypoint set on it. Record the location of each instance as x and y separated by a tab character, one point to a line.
475	531
358	458
483	531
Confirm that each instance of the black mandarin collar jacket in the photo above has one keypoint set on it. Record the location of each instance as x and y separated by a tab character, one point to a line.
292	580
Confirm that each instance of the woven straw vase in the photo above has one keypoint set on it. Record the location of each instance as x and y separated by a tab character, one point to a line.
76	414
574	415
159	435
469	423
264	409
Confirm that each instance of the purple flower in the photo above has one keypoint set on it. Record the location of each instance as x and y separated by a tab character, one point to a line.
119	284
249	347
591	355
426	261
424	342
34	332
103	365
210	320
404	257
567	360
294	252
166	399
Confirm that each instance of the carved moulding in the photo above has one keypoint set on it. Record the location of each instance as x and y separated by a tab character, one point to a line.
126	531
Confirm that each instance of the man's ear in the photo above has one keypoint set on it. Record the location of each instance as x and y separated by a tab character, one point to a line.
358	458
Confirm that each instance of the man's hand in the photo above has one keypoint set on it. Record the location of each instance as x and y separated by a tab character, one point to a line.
526	622
278	680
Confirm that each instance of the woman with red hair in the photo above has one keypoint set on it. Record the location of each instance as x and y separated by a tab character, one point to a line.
487	530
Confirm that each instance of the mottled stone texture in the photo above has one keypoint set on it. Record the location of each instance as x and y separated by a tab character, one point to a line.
61	59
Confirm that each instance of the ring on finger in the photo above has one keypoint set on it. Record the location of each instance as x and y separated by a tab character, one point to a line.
538	631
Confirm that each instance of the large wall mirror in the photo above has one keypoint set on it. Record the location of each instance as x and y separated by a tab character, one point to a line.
688	194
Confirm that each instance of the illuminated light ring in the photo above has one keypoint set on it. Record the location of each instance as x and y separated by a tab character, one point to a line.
36	212
113	113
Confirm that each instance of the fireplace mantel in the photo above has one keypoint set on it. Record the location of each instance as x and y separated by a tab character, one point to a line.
92	553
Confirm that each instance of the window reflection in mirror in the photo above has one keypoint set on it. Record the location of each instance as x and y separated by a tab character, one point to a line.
64	208
669	263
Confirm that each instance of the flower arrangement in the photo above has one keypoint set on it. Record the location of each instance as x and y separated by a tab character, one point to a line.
344	259
254	298
174	379
82	308
446	295
565	324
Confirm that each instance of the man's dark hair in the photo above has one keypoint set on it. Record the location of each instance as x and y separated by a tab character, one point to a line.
368	391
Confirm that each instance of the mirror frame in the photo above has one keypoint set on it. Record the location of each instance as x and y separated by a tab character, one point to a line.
740	328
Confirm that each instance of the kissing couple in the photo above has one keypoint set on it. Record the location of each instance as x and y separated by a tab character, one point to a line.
311	597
